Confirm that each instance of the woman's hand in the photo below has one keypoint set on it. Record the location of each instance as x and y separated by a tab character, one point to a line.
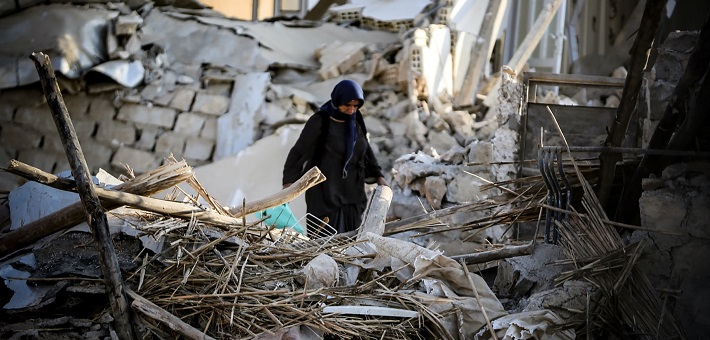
286	186
382	181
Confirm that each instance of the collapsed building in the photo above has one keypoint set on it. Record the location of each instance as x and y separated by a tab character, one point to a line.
480	175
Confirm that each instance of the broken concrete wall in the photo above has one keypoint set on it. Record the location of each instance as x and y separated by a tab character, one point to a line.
527	283
114	130
661	80
191	100
455	176
676	256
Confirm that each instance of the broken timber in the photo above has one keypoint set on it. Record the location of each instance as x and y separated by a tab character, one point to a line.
640	53
308	180
133	193
94	212
496	254
159	179
376	212
481	51
526	48
118	198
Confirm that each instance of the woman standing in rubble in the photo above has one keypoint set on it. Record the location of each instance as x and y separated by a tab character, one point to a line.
334	139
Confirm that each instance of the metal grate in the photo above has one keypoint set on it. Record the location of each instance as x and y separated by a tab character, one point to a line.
319	234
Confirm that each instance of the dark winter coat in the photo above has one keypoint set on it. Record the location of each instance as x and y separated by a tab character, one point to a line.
322	143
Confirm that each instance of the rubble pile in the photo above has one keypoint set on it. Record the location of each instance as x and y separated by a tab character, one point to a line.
249	280
145	81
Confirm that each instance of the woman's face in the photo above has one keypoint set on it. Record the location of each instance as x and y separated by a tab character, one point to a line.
349	107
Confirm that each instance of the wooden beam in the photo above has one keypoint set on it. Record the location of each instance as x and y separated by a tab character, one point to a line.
524	51
640	53
308	180
481	52
154	181
169	208
95	215
34	174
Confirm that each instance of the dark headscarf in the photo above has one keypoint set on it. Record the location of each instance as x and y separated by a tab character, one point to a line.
344	92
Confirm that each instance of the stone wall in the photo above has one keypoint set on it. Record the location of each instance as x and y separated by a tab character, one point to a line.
675	258
660	82
114	128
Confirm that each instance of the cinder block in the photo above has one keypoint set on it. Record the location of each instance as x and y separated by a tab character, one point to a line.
183	99
189	124
101	109
77	105
140	161
210	104
97	156
155	116
38	158
209	130
199	148
16	137
38	117
6	113
146	139
116	133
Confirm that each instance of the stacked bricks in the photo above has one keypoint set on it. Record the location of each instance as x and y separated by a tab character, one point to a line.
115	129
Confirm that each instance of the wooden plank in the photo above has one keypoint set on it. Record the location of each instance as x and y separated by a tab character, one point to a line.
95	215
153	311
574	79
372	311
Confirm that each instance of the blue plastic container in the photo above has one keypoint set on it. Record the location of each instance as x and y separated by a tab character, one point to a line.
281	217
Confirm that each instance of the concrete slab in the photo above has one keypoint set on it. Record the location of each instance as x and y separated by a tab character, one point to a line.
191	42
281	45
387	10
73	41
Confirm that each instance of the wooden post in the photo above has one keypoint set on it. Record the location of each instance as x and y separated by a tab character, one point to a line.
376	212
496	254
677	127
639	61
94	212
